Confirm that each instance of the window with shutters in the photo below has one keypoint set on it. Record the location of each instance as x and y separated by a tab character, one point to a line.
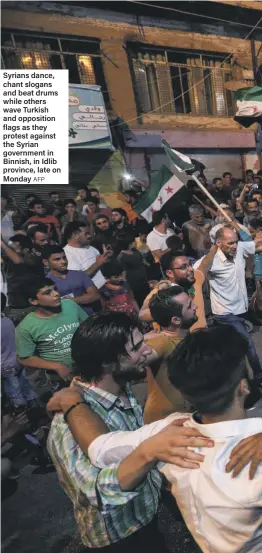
175	81
82	57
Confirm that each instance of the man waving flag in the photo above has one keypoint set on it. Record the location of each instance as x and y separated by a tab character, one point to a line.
164	184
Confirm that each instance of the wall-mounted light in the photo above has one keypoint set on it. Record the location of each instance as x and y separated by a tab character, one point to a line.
127	176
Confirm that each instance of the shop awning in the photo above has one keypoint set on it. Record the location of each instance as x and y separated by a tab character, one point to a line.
190	139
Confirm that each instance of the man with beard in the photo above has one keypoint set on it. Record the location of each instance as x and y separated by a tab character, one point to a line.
55	207
103	234
121	228
175	312
179	272
228	292
43	338
38	234
113	515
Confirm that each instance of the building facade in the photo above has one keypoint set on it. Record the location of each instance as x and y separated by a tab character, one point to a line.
163	76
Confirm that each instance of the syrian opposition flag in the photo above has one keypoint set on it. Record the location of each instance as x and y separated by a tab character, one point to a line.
163	186
249	106
182	162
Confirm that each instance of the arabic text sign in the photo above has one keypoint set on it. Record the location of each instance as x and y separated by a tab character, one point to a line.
82	125
89	117
92	109
88	122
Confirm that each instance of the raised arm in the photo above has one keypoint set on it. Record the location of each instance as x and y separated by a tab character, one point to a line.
145	313
207	261
11	254
243	196
99	262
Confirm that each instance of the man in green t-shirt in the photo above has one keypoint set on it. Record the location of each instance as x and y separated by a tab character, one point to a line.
43	338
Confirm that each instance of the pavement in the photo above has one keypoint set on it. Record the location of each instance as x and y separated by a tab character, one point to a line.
38	516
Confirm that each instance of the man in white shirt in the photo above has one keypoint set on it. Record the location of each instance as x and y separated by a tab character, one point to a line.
224	514
156	239
228	292
80	255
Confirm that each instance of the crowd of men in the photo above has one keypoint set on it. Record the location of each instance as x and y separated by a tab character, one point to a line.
94	299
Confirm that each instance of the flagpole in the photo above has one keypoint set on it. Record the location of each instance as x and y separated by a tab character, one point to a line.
205	207
211	199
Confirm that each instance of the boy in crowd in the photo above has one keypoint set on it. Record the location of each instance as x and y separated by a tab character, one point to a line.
43	338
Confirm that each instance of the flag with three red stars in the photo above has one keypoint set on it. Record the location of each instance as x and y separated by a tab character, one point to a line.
163	186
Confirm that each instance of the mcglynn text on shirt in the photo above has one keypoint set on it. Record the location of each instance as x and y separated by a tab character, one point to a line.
61	330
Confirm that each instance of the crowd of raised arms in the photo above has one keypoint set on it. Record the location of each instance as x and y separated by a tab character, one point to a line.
94	300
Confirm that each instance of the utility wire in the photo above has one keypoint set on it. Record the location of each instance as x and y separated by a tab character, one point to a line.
189	13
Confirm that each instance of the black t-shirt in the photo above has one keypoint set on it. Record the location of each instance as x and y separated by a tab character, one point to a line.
104	239
221	196
17	275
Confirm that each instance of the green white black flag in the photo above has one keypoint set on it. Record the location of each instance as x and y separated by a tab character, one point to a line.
249	105
180	161
163	186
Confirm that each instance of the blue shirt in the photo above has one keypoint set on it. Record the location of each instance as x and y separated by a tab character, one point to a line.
74	284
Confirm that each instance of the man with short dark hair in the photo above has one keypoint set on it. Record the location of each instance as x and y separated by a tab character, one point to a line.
82	193
56	205
94	192
252	210
40	216
175	312
221	512
80	255
43	338
249	176
120	226
91	208
249	204
179	272
113	514
103	234
219	192
71	213
156	239
38	234
76	285
227	179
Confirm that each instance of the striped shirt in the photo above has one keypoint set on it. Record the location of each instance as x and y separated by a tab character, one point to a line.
104	512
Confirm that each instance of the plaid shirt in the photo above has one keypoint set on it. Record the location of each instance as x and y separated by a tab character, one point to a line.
103	511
